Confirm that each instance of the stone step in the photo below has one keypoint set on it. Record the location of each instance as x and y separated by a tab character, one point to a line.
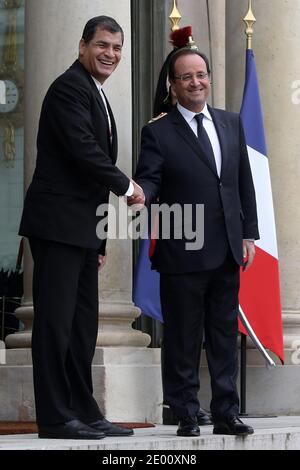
280	433
135	375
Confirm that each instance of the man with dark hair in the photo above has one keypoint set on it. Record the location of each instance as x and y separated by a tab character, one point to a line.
197	155
75	171
164	101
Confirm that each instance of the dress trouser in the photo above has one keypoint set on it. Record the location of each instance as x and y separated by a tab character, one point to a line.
192	302
65	298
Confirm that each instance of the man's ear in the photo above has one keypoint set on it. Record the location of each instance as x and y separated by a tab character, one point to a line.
82	46
173	95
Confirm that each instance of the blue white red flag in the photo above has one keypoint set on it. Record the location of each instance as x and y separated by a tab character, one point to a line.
260	288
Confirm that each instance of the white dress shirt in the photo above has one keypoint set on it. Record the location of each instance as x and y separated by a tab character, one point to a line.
99	86
209	126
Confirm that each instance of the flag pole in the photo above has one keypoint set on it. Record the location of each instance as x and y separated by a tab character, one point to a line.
249	21
175	17
269	361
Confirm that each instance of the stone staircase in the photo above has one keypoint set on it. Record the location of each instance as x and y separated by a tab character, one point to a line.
280	433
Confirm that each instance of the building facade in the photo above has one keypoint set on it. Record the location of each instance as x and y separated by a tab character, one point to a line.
124	365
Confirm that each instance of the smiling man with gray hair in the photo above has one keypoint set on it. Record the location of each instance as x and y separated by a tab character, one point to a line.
197	155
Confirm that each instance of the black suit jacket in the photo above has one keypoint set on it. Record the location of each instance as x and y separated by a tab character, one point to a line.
172	166
75	167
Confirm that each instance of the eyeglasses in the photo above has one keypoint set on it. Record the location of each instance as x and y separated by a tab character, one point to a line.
189	77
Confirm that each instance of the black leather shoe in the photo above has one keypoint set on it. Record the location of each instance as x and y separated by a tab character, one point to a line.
169	417
188	427
203	418
74	429
232	425
110	429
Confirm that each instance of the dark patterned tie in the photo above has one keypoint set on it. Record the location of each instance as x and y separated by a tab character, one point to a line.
205	142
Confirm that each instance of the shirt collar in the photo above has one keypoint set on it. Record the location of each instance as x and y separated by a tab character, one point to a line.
189	115
98	84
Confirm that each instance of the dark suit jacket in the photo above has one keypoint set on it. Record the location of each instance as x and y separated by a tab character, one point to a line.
75	167
172	166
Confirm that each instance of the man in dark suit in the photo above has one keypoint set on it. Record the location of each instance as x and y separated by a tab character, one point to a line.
75	171
196	155
164	101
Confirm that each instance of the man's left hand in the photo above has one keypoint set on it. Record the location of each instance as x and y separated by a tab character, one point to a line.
101	261
248	254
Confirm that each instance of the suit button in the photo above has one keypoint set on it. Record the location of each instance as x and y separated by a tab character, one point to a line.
221	185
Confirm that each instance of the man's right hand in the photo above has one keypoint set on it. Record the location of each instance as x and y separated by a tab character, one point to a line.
138	196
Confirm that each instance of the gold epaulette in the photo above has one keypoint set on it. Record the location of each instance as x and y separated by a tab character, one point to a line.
157	117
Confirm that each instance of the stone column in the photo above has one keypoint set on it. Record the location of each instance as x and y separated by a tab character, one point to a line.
278	65
24	313
117	312
51	46
123	366
217	18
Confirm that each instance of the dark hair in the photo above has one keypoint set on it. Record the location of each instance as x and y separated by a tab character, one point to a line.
103	22
182	52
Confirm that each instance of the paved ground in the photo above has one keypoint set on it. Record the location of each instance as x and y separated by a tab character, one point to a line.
279	433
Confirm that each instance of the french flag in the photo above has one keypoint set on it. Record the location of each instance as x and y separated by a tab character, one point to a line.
260	289
146	291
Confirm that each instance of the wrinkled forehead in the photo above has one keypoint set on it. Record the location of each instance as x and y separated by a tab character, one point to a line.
106	35
189	63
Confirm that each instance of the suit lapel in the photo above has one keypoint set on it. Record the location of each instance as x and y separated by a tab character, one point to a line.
190	138
100	101
77	65
114	140
112	144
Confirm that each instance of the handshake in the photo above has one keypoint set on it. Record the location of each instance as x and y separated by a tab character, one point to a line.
137	199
